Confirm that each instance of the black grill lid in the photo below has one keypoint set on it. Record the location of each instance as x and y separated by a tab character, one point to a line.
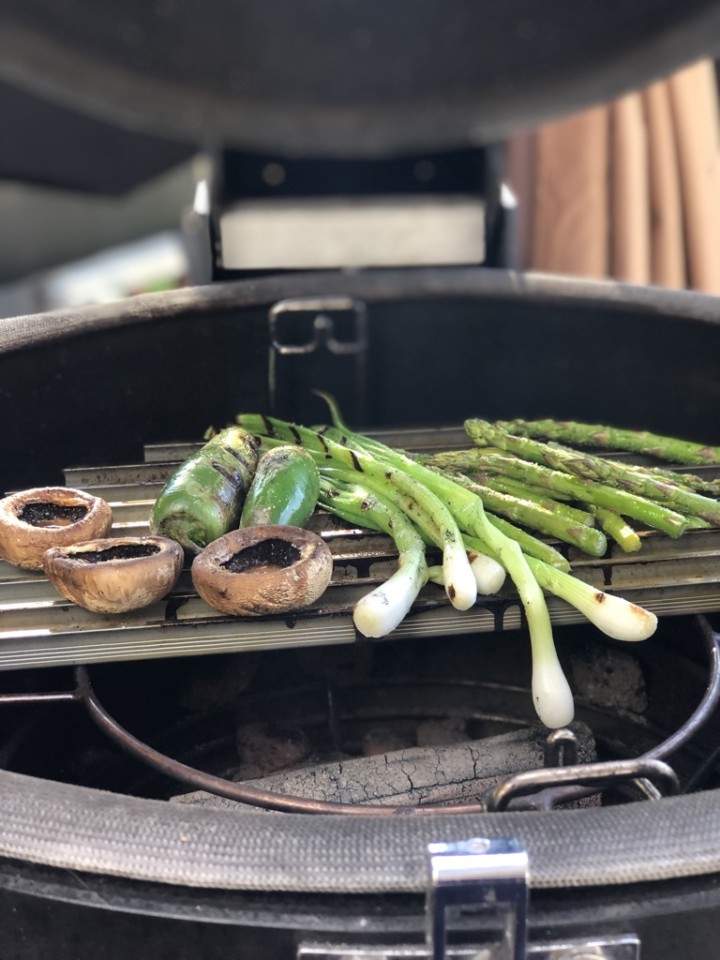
345	77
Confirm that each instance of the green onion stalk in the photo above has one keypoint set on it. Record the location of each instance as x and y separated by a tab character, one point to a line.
418	502
379	612
616	617
342	494
551	692
394	475
531	546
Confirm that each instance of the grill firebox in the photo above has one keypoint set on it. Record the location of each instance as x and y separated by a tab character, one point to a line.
670	577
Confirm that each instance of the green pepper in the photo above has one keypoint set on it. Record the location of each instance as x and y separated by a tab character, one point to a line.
203	498
285	489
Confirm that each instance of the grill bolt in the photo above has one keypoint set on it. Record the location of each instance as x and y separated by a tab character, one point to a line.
264	569
32	521
117	574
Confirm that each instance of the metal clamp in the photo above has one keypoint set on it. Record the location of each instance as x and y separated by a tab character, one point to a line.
478	873
302	349
323	329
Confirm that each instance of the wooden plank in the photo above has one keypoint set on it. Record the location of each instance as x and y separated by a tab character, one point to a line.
629	192
693	94
570	231
667	245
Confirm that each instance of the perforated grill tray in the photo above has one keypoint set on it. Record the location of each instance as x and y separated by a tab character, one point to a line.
40	628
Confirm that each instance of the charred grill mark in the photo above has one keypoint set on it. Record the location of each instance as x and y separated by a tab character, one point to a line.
296	434
355	461
269	425
219	468
365	505
237	455
343	440
321	431
600	596
323	443
451	591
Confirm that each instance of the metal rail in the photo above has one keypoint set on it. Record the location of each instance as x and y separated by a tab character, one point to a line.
547	787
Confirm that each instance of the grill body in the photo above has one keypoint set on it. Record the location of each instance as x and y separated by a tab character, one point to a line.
93	385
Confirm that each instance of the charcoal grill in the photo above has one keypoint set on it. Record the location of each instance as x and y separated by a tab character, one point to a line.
629	864
120	830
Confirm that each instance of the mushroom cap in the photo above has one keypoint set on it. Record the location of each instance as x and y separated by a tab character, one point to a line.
32	521
270	568
115	574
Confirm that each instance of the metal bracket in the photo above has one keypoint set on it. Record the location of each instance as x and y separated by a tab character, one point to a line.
299	352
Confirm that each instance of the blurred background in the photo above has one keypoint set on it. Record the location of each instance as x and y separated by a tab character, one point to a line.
628	189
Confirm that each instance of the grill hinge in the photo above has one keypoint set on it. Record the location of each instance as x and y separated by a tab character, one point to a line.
473	875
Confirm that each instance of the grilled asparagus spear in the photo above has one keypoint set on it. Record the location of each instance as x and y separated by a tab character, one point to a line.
597	435
596	469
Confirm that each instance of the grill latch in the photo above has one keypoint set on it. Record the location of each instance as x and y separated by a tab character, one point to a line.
467	876
478	874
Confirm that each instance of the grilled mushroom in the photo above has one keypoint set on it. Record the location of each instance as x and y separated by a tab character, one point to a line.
269	568
34	520
116	574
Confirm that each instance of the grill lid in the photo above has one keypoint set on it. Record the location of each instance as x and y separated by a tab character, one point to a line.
362	77
40	628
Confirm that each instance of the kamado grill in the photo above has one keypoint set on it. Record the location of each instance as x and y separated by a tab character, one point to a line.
178	782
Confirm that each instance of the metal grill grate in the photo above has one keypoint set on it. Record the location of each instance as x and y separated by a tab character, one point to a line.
40	628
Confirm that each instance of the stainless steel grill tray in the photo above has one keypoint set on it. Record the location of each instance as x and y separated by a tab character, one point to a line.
38	627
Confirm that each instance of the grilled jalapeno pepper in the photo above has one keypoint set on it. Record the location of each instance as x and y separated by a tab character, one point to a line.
203	499
285	489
